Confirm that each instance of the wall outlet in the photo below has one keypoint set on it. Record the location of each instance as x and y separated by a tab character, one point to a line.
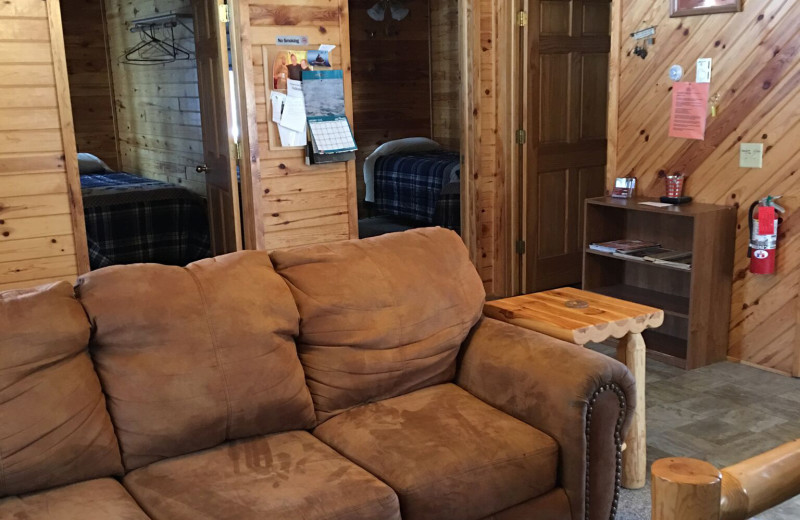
751	155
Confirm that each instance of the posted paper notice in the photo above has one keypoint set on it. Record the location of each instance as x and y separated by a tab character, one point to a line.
689	110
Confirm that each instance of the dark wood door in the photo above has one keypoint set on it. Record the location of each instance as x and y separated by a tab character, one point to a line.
213	81
567	88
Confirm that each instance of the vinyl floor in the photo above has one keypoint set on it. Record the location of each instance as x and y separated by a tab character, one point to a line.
722	413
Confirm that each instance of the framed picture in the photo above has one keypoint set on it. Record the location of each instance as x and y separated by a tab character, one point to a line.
693	7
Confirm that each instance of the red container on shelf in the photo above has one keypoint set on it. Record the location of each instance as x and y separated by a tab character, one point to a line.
675	185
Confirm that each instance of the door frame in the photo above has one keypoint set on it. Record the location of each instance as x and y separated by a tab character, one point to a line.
68	140
509	163
249	161
68	131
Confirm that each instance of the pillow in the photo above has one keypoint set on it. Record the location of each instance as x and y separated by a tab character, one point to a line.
54	427
191	357
89	164
383	316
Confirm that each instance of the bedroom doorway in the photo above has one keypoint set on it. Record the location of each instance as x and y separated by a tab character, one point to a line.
406	114
153	111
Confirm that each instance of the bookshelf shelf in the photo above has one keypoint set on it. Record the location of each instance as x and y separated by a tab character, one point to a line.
671	304
643	262
696	302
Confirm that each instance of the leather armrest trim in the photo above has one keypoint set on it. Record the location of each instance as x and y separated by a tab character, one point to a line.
613	387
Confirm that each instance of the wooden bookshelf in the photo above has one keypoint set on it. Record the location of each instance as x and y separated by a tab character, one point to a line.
696	302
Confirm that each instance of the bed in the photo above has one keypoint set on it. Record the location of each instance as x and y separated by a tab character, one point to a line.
415	180
131	219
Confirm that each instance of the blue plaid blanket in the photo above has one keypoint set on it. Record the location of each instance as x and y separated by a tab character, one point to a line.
412	185
130	219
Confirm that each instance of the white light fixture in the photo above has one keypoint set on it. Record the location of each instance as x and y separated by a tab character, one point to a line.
399	12
377	12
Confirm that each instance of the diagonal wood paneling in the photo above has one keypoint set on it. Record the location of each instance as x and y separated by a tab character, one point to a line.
756	71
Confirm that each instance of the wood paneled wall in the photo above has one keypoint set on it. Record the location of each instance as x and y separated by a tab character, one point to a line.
293	204
90	85
391	78
157	106
756	71
37	239
445	76
490	191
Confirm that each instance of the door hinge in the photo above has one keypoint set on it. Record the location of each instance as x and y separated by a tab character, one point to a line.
238	152
520	246
522	18
522	136
224	13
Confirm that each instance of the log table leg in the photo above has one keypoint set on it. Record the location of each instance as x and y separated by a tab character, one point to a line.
685	489
631	351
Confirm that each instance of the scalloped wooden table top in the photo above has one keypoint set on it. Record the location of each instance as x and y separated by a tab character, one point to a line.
574	315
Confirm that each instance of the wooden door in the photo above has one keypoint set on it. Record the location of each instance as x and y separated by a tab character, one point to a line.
219	150
567	85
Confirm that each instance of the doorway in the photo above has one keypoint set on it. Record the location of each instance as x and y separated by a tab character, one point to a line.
152	107
405	83
566	83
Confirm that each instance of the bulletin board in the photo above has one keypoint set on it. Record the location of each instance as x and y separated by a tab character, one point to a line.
273	80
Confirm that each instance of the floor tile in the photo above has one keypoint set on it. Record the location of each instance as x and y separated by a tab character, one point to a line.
723	413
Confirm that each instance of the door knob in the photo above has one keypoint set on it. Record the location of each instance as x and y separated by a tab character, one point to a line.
201	168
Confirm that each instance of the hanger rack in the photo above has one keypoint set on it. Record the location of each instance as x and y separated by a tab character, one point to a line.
157	41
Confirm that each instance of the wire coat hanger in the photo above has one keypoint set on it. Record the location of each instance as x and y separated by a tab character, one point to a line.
154	50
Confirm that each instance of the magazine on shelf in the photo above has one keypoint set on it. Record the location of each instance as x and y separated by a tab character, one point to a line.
640	255
682	263
623	246
668	254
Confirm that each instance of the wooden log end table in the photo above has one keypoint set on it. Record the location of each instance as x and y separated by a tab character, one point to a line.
581	317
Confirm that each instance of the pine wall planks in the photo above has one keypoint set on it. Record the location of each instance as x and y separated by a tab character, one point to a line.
297	204
90	85
489	126
37	244
391	78
445	77
157	106
756	70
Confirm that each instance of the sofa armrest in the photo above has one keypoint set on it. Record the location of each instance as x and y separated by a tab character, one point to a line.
582	399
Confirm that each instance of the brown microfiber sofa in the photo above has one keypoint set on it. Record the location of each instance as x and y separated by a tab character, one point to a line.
351	381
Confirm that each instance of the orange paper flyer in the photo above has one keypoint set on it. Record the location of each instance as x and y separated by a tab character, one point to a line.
689	110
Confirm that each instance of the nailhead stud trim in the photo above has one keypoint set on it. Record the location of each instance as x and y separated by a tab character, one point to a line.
617	441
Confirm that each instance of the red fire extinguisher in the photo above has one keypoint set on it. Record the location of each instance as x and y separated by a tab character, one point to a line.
764	235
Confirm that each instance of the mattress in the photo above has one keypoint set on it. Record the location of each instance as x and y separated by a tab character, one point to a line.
131	219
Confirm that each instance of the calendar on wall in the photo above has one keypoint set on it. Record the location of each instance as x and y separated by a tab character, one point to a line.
331	134
323	91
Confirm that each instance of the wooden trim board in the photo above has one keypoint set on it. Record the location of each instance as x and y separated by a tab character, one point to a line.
68	135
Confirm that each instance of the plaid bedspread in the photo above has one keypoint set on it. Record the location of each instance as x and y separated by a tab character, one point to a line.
130	219
420	186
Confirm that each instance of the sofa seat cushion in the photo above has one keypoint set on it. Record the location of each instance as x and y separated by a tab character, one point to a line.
446	453
103	499
285	475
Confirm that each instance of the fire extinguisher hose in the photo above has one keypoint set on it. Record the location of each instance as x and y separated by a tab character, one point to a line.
750	226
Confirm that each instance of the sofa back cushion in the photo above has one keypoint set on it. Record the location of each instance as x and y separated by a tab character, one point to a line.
192	357
54	427
383	316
